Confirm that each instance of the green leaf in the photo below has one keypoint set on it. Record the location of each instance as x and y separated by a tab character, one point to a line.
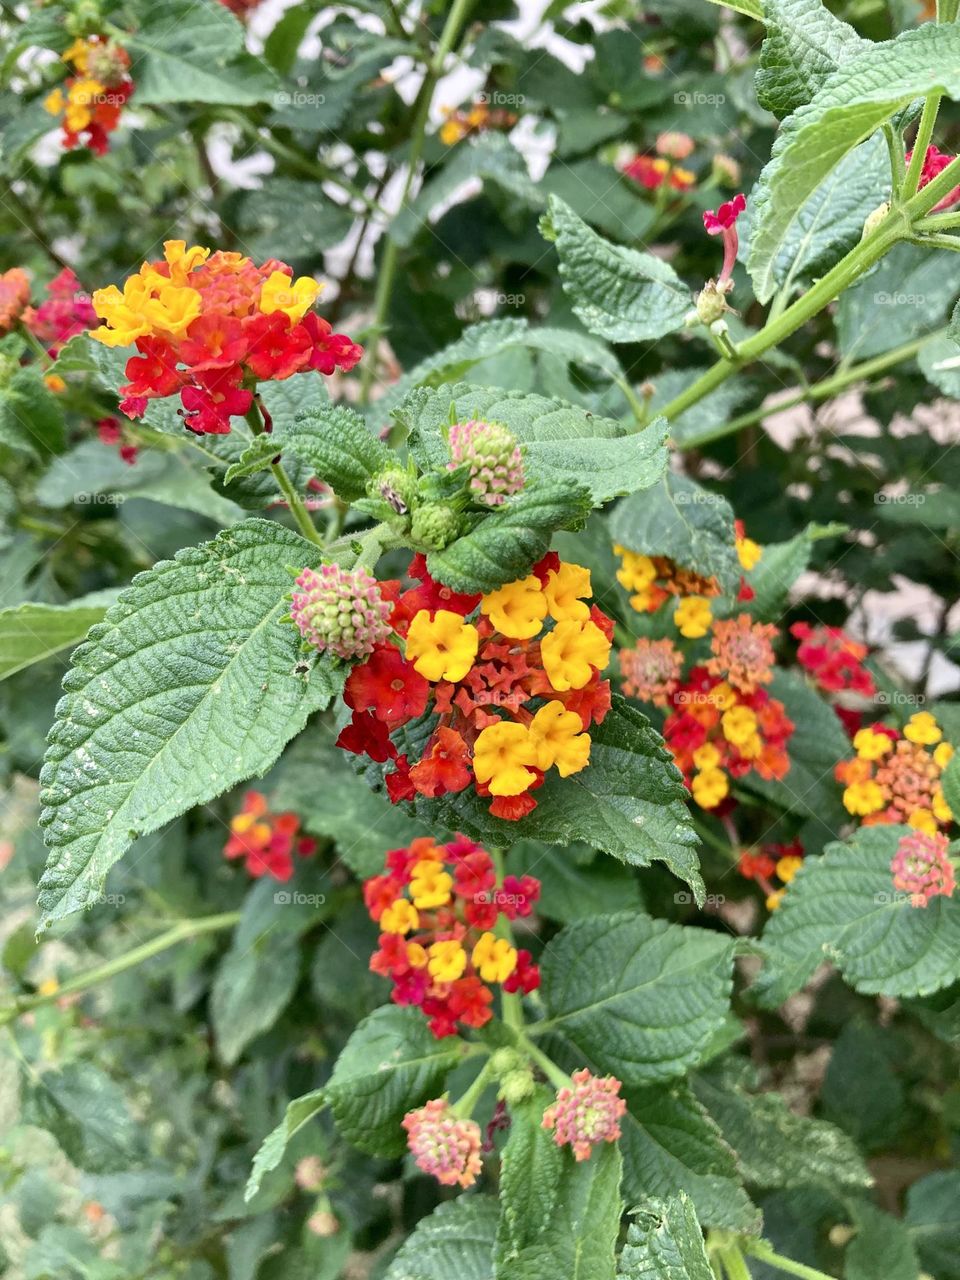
571	886
842	907
905	296
268	230
188	686
332	439
502	544
664	1242
803	46
32	632
881	1247
617	292
749	8
530	1172
253	985
854	101
183	52
671	1145
561	442
629	802
939	361
456	1239
950	781
684	522
637	997
87	1113
31	420
780	566
932	1219
299	1112
776	1148
391	1064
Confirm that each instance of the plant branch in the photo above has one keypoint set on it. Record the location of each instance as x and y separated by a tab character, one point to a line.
297	509
928	119
761	1250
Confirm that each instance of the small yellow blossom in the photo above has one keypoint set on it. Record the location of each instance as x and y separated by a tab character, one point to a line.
943	755
739	725
774	899
559	739
416	955
707	756
503	756
293	297
788	867
749	553
922	729
636	572
571	652
693	616
923	820
870	745
442	647
494	958
564	593
430	885
400	917
864	798
446	960
941	810
709	787
516	609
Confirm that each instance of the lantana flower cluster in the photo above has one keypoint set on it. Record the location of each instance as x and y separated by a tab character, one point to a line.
208	326
266	841
922	867
662	169
895	775
769	863
14	297
65	311
460	122
438	907
512	680
834	662
92	98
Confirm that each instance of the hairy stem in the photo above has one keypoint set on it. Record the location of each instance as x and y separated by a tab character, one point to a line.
924	133
298	510
761	1250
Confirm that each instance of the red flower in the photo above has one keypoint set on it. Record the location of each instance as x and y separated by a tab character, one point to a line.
266	841
519	895
214	399
330	351
153	373
399	786
387	684
213	342
277	349
725	217
445	768
525	977
366	735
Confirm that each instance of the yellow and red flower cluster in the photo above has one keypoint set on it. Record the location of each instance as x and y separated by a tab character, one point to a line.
834	661
438	908
14	297
895	776
512	677
661	169
95	95
209	326
782	861
266	841
478	118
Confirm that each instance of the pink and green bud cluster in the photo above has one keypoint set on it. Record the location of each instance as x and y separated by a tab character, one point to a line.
493	456
341	610
921	867
443	1144
587	1114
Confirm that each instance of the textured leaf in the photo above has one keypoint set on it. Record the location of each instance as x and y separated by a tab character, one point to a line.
31	419
881	1247
561	441
906	295
776	1148
853	101
670	1145
332	439
253	985
530	1172
629	802
842	907
32	632
572	887
688	524
298	1113
933	1222
950	781
617	292
87	1113
804	44
664	1242
780	566
455	1240
391	1064
189	686
635	996
503	543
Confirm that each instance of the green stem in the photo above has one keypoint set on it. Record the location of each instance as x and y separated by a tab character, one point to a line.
559	1079
893	228
931	195
511	1002
938	222
937	241
464	1107
761	1250
924	133
421	112
183	931
733	1263
297	509
947	10
898	165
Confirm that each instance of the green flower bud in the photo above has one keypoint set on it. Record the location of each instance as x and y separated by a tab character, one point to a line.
434	526
516	1086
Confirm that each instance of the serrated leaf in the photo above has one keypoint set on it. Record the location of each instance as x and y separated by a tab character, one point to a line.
530	1171
31	419
87	1113
617	292
457	1239
188	686
854	101
561	441
300	1111
664	1242
780	566
950	781
842	907
32	632
502	545
684	522
391	1064
629	802
634	996
905	296
331	439
670	1145
803	46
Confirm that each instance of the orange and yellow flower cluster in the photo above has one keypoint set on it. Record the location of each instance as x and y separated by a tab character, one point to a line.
478	118
662	168
209	326
91	100
896	775
438	908
266	841
772	861
512	678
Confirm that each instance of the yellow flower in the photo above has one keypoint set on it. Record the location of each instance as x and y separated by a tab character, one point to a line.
636	572
870	745
182	260
416	955
788	867
749	553
81	97
400	917
570	653
78	55
693	616
774	900
941	810
722	696
707	756
442	647
122	312
709	787
54	102
943	755
751	748
451	131
923	820
48	987
739	725
864	798
53	382
922	729
292	297
494	958
517	609
175	310
446	960
564	591
503	756
559	739
430	885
